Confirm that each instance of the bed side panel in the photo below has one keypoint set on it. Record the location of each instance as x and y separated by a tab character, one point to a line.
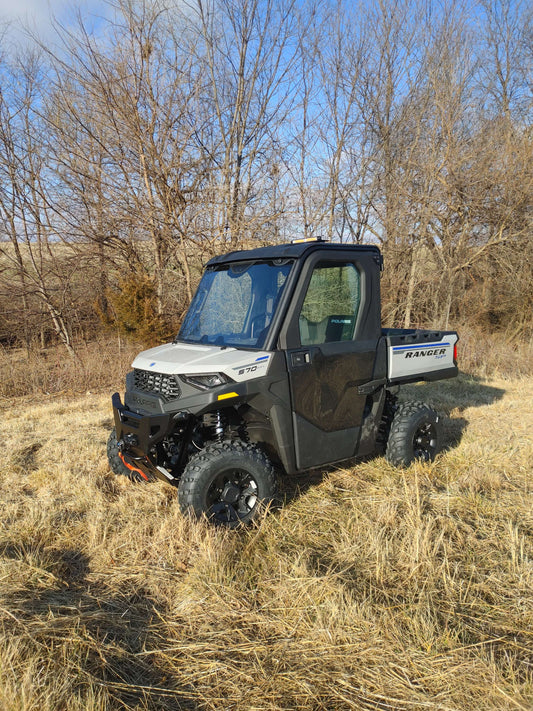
420	355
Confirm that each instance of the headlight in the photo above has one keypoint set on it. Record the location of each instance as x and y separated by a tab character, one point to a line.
209	380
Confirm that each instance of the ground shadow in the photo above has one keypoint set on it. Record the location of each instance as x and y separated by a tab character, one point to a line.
458	393
454	429
455	395
292	486
109	632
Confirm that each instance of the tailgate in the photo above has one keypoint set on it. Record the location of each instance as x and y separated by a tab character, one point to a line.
414	355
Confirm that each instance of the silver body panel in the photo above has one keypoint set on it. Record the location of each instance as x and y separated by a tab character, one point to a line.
410	359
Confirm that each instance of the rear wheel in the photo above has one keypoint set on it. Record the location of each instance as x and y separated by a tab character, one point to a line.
415	434
229	482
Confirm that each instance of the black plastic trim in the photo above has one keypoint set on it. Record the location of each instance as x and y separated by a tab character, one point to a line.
399	336
429	377
294	251
371	387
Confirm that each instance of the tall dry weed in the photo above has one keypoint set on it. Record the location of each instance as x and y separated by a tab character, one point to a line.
99	364
494	354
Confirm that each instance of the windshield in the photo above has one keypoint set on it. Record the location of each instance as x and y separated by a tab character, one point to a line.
234	304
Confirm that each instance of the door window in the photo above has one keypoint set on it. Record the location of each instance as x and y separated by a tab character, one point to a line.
331	304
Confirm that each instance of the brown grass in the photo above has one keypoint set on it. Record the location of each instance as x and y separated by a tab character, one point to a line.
372	588
488	354
99	365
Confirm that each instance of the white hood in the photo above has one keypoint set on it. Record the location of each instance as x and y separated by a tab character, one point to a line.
190	359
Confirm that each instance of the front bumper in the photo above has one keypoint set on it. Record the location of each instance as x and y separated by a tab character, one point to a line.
138	437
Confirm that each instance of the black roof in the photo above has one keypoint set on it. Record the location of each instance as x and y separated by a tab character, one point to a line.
290	251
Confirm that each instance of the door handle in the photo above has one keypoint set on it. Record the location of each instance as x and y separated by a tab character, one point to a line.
300	358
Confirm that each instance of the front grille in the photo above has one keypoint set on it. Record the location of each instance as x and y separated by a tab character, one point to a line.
166	386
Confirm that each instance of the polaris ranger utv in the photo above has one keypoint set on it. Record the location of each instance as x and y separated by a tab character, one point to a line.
281	359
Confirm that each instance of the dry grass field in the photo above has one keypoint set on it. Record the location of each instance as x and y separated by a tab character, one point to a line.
370	588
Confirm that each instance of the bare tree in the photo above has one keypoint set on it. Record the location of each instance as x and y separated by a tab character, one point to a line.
129	103
44	273
250	48
182	127
505	66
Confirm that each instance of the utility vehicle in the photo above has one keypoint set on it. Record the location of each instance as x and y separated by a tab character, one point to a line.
280	361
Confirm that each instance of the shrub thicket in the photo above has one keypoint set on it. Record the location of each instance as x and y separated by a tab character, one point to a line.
134	309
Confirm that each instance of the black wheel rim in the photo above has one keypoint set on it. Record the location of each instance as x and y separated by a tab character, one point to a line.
232	497
425	442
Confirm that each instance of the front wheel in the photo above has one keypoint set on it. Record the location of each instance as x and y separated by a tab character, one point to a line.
228	482
415	434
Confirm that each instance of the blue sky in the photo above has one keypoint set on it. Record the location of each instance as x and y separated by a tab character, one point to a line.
37	14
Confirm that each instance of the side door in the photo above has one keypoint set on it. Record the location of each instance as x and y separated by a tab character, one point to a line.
330	340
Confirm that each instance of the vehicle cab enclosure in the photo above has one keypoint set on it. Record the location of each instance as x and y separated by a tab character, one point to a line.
282	347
